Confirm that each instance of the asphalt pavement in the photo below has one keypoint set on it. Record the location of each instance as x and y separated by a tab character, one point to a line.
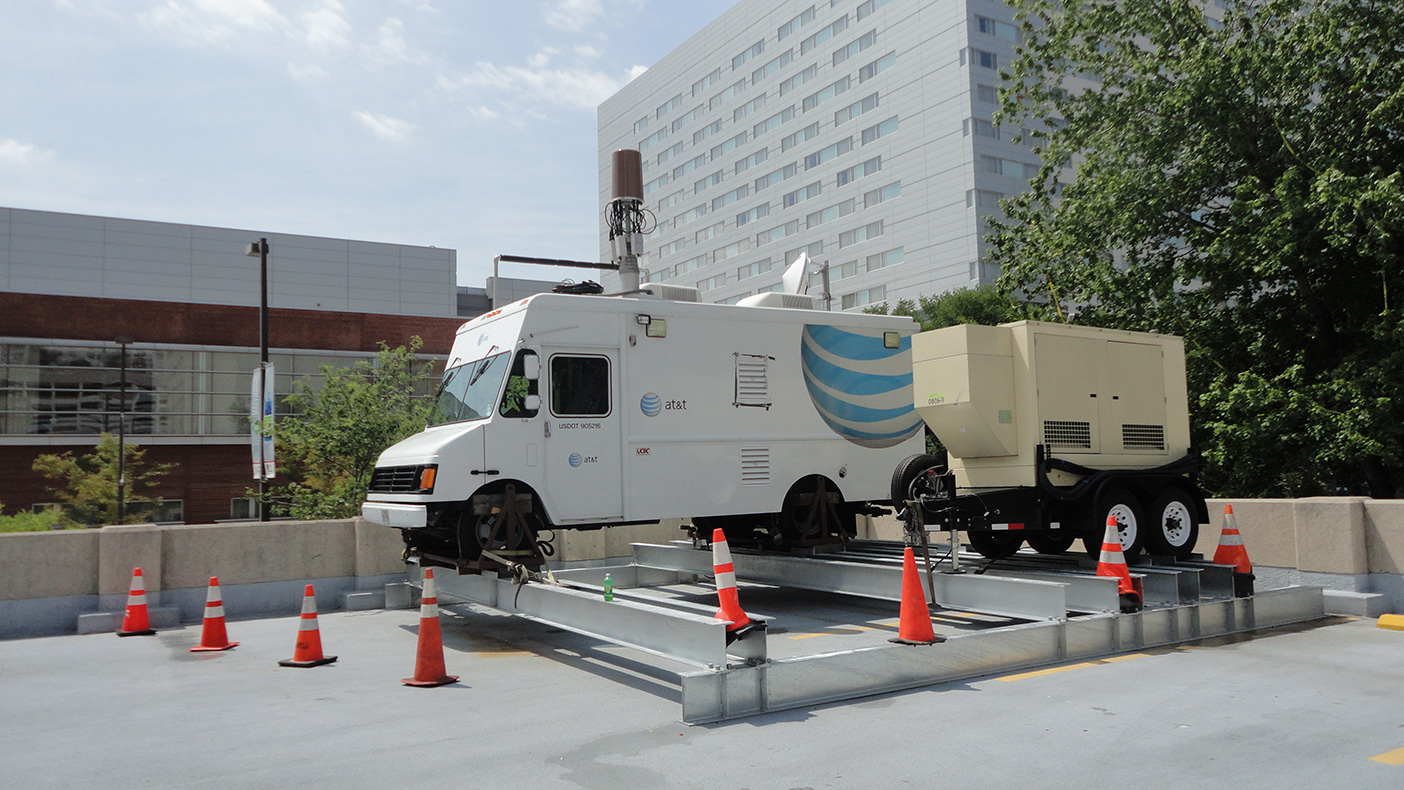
1314	706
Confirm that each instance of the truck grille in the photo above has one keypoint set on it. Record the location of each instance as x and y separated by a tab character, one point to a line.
1067	433
396	479
1143	437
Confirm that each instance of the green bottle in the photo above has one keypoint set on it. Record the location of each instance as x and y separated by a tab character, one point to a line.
609	587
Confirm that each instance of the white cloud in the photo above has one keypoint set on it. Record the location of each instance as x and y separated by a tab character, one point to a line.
13	152
384	126
390	46
426	6
213	21
327	27
587	52
635	72
306	72
574	87
483	112
573	16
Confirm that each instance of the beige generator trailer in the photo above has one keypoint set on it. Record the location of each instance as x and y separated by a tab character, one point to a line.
1049	430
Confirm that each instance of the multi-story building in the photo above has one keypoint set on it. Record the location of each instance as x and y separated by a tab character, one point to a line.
88	301
858	131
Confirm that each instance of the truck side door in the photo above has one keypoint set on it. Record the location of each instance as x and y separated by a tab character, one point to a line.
583	468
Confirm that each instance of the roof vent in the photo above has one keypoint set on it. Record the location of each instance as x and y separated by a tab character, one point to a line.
777	299
669	293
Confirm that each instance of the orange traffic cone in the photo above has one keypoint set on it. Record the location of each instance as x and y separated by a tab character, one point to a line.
212	634
134	621
1113	563
1231	551
726	584
915	627
308	652
429	662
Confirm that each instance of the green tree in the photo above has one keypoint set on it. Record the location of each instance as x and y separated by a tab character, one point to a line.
86	486
984	305
49	518
1237	183
329	440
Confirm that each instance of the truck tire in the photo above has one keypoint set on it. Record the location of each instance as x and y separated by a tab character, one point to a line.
1122	505
912	479
1173	528
1051	542
995	545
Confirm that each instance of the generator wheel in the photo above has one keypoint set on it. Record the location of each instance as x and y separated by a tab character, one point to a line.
1051	542
915	478
1122	505
1173	529
995	545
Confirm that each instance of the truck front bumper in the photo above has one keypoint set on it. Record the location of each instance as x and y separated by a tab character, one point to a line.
396	515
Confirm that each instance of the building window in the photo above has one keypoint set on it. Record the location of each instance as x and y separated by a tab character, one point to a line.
803	135
756	49
860	170
775	64
798	80
773	122
668	106
707	233
727	95
815	99
839	25
656	183
720	150
669	153
877	293
836	150
752	160
996	28
983	198
706	82
866	104
884	259
778	232
691	116
708	182
802	194
979	57
860	234
798	22
763	210
877	67
870	6
689	166
812	250
748	108
690	216
877	131
817	218
671	200
987	94
730	251
656	137
783	174
877	196
981	127
731	197
691	264
753	269
671	247
706	131
711	283
858	45
640	124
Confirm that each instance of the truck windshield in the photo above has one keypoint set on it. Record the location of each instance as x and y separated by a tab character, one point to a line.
469	391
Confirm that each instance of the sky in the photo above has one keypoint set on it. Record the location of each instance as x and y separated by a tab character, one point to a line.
447	123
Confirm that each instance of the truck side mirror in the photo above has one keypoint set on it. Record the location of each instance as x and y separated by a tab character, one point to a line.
532	403
531	367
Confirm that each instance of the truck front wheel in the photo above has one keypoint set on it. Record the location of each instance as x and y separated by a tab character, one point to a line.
1122	505
1173	529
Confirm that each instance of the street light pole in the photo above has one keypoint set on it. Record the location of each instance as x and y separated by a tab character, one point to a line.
122	433
260	248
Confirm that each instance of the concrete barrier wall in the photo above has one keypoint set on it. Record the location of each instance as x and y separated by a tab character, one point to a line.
59	582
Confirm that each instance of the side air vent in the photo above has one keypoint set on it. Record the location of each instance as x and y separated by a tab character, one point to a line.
1143	437
752	380
755	466
669	293
1067	433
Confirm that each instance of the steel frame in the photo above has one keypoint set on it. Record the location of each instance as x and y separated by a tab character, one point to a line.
732	677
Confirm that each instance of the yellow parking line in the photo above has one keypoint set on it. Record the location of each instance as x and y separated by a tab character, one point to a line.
1395	757
1082	665
847	630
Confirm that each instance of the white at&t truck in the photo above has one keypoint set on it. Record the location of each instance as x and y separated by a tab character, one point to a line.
776	423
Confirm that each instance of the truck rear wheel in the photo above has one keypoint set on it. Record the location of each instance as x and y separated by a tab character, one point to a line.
1122	505
1173	529
995	545
914	479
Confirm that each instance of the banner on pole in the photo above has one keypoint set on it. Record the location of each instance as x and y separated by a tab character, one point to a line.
261	422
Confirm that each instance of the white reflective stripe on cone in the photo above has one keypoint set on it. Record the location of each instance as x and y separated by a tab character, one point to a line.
1230	539
214	610
308	624
721	554
138	586
309	604
213	595
429	610
136	599
727	579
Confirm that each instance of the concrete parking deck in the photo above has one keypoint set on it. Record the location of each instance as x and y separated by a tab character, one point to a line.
1298	707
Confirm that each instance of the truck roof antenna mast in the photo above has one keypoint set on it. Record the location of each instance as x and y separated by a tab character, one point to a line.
627	219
